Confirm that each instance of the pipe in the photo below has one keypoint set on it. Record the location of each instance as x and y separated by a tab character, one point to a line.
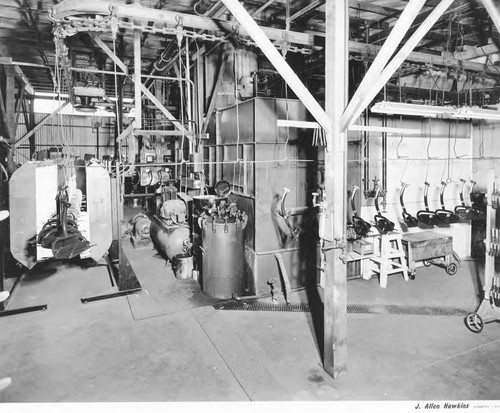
201	7
188	89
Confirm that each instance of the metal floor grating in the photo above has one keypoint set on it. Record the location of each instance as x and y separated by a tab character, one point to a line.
351	308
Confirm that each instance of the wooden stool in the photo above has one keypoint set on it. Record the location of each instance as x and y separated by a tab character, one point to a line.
389	257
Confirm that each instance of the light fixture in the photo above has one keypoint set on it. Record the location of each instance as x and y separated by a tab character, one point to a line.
410	109
476	113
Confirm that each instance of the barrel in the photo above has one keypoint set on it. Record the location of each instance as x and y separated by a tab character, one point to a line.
223	258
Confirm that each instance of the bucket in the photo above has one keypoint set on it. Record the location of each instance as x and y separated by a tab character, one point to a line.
183	267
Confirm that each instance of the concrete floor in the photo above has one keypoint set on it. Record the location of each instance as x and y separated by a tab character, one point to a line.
169	344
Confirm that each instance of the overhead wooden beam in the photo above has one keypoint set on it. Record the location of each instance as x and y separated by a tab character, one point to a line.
110	53
28	88
161	132
310	7
162	108
476	52
371	91
493	11
382	35
10	101
38	38
39	125
125	133
335	280
19	105
139	86
373	8
445	60
215	92
3	113
277	60
262	8
385	53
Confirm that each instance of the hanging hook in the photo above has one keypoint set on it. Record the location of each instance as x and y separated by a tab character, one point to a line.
455	145
429	144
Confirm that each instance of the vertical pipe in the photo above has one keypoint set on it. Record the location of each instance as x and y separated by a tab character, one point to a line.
97	141
384	154
137	79
188	89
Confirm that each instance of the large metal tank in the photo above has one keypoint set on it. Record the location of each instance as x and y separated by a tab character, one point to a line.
223	252
169	239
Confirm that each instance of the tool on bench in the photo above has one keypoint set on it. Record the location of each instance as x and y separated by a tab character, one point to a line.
427	216
360	226
408	219
445	215
463	211
383	224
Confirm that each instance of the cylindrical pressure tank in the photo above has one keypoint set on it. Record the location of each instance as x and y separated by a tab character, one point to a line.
169	240
223	251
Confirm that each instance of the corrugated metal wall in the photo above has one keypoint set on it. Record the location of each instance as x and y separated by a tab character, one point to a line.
74	135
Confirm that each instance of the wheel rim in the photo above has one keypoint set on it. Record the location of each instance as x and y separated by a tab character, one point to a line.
452	269
474	322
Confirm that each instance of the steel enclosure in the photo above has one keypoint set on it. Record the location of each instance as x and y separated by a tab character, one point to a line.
33	193
259	160
33	190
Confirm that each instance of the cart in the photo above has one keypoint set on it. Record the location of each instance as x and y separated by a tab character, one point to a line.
431	248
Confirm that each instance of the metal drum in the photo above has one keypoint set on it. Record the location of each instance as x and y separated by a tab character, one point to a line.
223	269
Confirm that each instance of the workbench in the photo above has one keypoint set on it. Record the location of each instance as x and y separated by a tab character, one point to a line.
430	247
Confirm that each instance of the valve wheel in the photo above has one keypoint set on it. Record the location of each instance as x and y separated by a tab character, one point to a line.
474	322
451	269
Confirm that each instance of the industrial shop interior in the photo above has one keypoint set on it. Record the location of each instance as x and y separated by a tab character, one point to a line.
250	201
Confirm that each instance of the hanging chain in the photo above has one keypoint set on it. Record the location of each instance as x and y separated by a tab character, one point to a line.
69	27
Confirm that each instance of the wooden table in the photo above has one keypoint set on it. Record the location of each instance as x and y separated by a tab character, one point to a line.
428	246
